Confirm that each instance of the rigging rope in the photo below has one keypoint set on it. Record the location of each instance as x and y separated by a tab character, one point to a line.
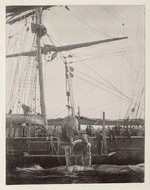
126	50
121	79
139	101
97	86
131	100
104	32
96	80
104	89
21	88
99	106
105	55
16	74
10	102
113	14
85	24
86	94
21	61
103	78
19	37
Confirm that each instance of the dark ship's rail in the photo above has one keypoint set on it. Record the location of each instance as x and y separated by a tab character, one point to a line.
96	121
27	144
22	151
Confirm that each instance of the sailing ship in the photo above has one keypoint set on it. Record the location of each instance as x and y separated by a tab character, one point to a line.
29	132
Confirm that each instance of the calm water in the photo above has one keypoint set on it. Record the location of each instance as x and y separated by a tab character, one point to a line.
77	174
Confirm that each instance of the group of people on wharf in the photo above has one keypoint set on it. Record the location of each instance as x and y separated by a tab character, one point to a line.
101	143
113	134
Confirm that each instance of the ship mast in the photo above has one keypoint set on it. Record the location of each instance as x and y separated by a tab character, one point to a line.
40	31
38	13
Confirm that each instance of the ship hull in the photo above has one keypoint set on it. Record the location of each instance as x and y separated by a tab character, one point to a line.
120	153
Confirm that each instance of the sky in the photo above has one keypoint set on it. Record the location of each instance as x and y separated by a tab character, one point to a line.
119	64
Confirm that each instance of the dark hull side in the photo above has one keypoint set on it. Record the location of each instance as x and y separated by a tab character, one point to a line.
119	158
124	153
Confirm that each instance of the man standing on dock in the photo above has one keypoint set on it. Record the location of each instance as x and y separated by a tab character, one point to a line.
127	135
113	137
86	148
100	143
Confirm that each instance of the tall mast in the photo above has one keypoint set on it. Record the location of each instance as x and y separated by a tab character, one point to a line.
38	13
69	89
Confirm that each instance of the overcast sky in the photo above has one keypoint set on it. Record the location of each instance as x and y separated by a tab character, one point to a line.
120	63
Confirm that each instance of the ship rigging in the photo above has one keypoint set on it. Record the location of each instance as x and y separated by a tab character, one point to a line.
27	92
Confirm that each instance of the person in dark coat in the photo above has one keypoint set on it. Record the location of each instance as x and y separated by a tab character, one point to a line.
87	130
100	142
127	135
50	145
112	135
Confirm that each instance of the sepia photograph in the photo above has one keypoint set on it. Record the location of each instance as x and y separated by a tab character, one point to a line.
75	94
